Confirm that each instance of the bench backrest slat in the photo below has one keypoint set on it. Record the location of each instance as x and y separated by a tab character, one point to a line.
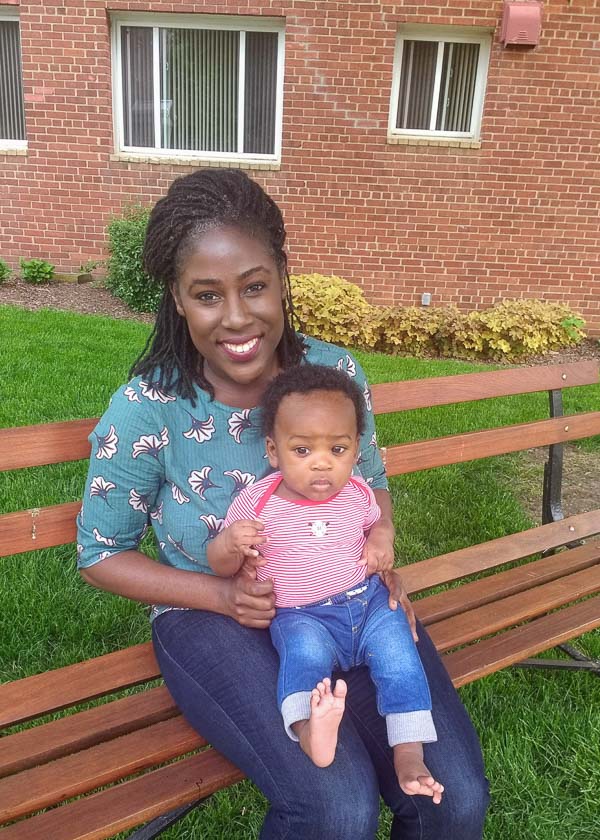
466	387
456	449
49	443
30	530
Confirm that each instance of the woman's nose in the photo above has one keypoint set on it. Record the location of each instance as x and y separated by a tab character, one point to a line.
236	314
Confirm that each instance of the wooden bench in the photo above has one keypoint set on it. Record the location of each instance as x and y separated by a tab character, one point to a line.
92	773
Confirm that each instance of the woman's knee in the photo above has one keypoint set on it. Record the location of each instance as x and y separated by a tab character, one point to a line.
338	813
469	806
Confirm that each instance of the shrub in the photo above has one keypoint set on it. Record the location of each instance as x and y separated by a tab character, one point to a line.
509	331
334	310
126	278
515	329
4	271
36	271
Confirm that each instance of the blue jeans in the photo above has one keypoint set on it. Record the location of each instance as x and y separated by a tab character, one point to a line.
223	678
345	631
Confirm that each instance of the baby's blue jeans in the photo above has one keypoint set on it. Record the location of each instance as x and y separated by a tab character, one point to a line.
340	633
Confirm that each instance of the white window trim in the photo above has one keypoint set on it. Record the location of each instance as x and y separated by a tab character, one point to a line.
239	23
12	13
442	34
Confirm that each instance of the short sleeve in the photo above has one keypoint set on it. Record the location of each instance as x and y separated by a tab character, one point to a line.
372	511
242	507
125	474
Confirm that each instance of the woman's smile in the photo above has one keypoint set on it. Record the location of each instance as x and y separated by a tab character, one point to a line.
242	350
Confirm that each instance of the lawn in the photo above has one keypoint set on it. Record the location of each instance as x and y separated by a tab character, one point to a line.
538	729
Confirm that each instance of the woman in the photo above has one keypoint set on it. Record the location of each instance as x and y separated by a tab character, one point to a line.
175	446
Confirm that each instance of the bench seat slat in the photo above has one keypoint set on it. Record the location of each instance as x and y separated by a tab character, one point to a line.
481	621
465	387
51	691
82	730
470	446
48	443
30	530
127	805
475	661
502	584
103	764
478	558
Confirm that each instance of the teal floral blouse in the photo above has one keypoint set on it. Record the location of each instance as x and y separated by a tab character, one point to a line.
158	461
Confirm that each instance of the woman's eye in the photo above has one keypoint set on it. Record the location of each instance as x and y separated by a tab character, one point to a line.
254	288
207	297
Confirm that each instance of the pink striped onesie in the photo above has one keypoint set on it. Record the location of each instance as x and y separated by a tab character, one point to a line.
314	547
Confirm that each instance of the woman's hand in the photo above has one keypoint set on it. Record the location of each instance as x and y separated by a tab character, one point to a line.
398	596
378	551
249	601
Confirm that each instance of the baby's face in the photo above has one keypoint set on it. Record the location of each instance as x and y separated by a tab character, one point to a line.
314	444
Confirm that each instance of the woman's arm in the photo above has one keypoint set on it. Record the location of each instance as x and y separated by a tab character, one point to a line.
136	576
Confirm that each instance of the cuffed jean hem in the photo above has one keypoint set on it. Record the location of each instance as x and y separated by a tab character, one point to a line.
295	707
409	727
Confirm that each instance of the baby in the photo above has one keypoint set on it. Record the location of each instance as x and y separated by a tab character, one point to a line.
305	527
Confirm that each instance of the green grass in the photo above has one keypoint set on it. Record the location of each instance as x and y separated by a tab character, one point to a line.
538	729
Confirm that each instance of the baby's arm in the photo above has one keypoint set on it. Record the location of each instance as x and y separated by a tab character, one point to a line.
234	546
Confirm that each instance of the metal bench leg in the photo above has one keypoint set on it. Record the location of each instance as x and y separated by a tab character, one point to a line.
160	824
578	662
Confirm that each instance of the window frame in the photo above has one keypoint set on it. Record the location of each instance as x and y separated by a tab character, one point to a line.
238	23
8	13
442	35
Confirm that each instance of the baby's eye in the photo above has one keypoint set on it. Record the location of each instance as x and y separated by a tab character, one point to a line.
301	450
338	450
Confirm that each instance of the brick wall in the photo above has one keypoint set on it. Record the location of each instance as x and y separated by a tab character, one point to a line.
517	217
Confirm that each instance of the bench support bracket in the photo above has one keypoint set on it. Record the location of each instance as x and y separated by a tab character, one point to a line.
160	824
578	662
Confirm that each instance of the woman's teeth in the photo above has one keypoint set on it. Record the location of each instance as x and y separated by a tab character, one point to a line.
241	348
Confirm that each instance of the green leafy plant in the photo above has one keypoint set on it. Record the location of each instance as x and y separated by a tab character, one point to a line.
5	271
36	271
126	278
89	265
573	326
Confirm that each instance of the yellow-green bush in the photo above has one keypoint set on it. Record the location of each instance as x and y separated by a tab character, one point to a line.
520	328
335	310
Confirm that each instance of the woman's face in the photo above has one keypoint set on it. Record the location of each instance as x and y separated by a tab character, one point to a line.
230	292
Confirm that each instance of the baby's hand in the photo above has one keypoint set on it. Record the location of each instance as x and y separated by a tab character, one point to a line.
241	539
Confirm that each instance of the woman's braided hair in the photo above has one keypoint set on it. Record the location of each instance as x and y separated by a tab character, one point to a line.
194	204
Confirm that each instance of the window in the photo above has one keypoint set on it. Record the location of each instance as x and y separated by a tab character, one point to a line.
209	86
12	112
439	82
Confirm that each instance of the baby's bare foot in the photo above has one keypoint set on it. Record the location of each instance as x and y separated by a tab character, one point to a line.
413	776
318	735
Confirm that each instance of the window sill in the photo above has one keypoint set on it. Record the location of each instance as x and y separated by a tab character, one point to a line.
192	160
11	150
433	141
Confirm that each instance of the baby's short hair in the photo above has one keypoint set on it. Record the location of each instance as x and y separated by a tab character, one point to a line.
304	379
